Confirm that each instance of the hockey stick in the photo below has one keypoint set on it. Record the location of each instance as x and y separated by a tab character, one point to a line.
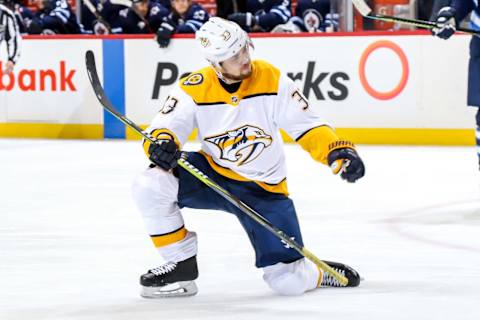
129	4
183	162
97	15
366	11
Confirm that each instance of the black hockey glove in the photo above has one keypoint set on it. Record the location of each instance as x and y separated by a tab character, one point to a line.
164	34
446	23
164	154
347	162
243	19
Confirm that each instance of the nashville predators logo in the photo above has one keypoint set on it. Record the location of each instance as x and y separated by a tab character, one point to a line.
194	79
204	42
242	145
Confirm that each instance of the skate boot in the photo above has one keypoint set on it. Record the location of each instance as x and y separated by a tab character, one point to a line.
173	279
329	281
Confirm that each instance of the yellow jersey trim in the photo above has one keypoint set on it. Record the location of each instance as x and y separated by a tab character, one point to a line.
263	81
169	238
160	134
317	142
280	187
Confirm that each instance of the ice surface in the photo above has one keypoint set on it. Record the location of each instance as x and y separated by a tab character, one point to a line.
72	244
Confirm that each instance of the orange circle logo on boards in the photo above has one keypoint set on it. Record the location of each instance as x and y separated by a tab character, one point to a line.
387	95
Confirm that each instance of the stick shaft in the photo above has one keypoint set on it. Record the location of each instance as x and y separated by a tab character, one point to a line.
367	12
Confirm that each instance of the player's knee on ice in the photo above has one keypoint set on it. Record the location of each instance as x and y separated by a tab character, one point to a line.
292	278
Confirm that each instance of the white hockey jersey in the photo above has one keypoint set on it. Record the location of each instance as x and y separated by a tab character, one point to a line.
239	132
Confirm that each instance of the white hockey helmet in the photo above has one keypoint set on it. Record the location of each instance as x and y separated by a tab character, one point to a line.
221	39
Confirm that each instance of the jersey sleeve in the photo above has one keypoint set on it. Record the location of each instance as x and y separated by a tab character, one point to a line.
462	8
294	114
175	120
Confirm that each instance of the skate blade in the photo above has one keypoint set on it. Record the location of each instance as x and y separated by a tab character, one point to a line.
178	289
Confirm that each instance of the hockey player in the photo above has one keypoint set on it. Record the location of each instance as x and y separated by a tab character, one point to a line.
263	15
52	17
238	107
145	17
9	32
186	17
449	18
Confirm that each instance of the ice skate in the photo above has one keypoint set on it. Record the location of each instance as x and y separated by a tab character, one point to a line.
329	281
173	279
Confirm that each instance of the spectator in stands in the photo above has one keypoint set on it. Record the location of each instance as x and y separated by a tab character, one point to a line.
144	16
89	20
52	17
311	16
109	13
227	7
263	15
186	17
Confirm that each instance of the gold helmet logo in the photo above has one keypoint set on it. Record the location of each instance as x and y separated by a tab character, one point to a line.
226	35
204	42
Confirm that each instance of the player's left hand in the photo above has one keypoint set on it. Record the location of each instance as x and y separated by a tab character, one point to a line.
8	67
347	162
243	19
446	25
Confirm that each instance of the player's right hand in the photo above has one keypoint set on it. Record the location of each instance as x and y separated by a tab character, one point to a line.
446	25
347	162
164	154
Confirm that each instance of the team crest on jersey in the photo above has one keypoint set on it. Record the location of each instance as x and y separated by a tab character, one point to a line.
242	145
193	80
312	19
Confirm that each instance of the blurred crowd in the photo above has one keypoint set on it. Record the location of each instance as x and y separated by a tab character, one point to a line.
167	17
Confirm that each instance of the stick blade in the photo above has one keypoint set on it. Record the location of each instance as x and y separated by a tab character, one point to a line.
362	7
95	82
102	97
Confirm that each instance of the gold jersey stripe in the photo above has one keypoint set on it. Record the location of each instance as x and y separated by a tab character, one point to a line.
264	81
169	238
316	141
280	187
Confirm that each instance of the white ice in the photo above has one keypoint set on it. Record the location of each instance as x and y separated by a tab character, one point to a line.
72	245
